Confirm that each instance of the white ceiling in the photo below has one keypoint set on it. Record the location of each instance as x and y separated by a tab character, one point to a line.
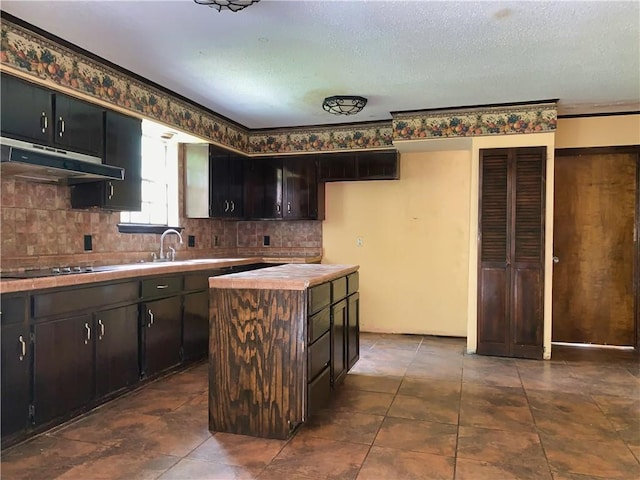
271	64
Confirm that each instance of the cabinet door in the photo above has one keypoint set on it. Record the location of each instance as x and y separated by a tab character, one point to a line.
26	111
16	354
235	185
123	148
219	171
195	325
197	195
163	328
353	330
63	366
338	344
378	166
116	349
79	126
337	167
264	188
300	188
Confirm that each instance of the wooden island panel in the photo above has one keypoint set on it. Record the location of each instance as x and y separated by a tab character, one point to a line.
256	347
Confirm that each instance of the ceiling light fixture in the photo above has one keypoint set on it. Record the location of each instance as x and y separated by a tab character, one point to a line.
233	5
344	104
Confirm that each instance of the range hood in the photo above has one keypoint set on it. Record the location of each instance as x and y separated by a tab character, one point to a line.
38	163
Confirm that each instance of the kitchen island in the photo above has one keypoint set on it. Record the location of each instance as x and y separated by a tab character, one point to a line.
281	340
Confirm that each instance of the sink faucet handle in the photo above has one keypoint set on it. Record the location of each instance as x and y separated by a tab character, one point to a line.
154	256
172	254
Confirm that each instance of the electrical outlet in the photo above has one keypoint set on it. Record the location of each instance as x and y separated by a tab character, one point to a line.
216	241
359	241
88	243
266	240
191	241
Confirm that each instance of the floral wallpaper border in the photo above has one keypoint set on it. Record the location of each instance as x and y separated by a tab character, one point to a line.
54	65
499	120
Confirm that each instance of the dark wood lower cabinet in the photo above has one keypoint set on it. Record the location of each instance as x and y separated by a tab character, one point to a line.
16	379
116	333
63	366
162	324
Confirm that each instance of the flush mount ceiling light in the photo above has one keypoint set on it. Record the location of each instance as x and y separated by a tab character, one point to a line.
233	5
344	104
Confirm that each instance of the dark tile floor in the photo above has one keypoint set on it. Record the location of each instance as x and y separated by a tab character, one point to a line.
412	408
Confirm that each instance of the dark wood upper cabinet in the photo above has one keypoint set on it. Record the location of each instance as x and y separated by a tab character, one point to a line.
283	188
511	252
27	111
79	126
123	148
34	114
384	165
226	184
214	182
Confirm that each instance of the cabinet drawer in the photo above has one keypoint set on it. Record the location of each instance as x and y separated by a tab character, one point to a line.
319	324
12	309
319	355
154	287
80	299
353	283
196	282
318	392
338	289
319	297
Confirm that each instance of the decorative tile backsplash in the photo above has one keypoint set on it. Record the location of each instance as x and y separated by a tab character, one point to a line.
40	230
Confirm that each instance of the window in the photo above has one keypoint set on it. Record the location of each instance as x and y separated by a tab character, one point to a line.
159	184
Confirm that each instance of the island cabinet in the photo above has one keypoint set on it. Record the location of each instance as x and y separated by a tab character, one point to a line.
274	351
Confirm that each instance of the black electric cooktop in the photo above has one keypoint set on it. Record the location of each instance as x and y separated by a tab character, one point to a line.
47	272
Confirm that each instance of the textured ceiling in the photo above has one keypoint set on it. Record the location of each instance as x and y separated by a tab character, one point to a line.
271	64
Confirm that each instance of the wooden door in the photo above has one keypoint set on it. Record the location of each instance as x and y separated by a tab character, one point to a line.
300	188
511	252
163	322
79	126
594	219
27	111
15	359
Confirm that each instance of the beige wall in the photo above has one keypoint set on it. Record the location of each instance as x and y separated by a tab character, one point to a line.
415	236
598	131
419	255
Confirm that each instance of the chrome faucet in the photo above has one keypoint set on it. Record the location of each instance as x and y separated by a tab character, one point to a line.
172	257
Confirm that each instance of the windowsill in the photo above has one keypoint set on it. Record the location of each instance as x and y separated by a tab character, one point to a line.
144	228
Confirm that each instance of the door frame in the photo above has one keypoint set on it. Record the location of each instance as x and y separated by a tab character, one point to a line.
631	149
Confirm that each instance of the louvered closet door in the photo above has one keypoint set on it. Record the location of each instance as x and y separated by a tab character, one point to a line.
511	252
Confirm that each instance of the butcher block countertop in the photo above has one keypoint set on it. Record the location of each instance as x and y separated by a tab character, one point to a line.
134	270
283	277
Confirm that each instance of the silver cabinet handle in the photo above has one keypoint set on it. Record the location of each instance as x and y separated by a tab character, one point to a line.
101	329
226	205
61	120
150	318
278	207
44	122
233	206
161	287
556	260
23	348
110	196
88	337
288	207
